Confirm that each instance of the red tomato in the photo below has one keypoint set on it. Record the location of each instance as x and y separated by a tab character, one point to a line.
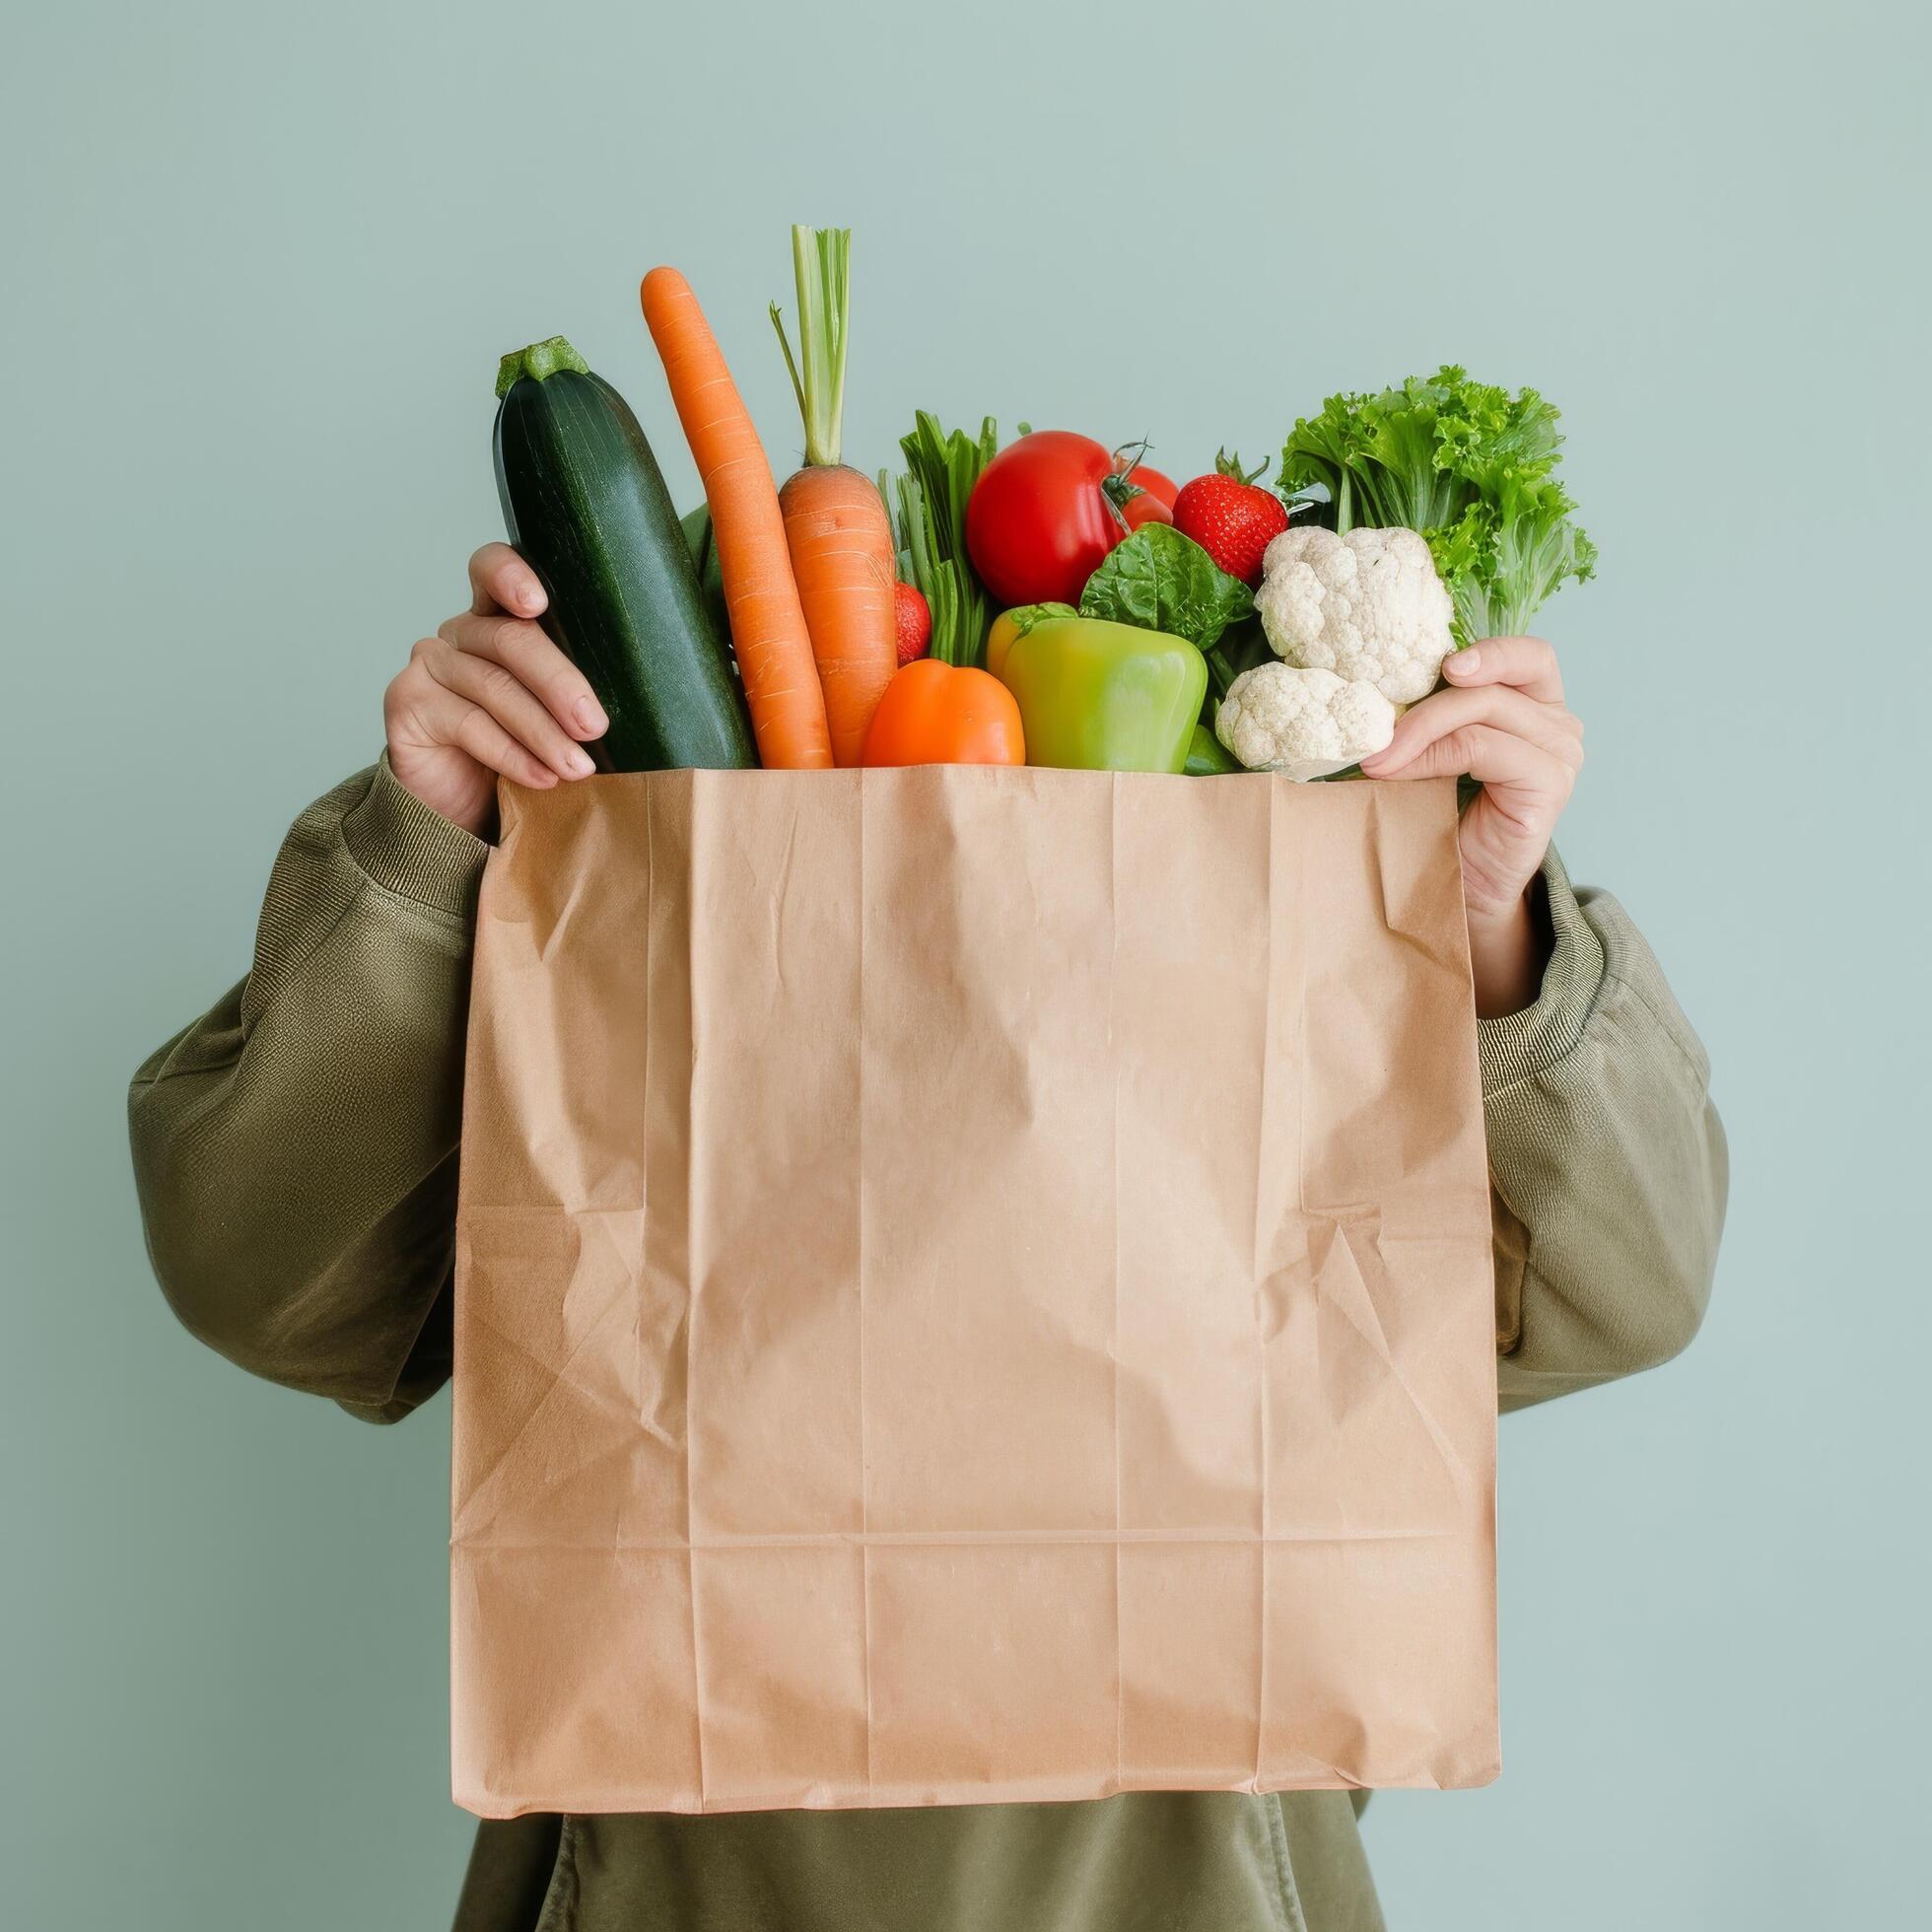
1044	513
1154	483
1146	508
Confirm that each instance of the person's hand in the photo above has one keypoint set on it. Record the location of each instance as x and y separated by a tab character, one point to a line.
489	693
1501	721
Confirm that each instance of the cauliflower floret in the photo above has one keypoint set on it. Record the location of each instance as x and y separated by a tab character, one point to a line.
1307	724
1365	605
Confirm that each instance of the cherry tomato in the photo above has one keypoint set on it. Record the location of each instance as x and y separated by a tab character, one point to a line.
912	622
1155	503
1046	510
1154	483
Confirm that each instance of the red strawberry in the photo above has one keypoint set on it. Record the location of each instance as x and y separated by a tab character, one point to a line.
912	620
1231	516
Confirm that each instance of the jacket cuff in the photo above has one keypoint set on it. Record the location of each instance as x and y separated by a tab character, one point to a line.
410	848
1519	1046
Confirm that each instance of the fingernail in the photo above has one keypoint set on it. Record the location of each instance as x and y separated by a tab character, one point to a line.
591	718
1462	662
534	600
580	762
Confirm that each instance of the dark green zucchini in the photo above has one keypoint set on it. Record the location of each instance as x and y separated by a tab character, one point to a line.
586	507
703	546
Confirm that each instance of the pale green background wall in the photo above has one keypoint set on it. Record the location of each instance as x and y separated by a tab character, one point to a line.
262	261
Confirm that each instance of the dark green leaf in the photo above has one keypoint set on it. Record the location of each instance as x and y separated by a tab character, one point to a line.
1162	581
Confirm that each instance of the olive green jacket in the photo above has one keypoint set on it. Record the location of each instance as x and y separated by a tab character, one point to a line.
295	1155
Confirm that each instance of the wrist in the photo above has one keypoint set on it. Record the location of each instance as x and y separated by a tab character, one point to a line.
409	848
466	799
1495	891
1493	911
1508	948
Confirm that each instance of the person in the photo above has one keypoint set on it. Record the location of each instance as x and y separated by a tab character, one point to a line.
296	1154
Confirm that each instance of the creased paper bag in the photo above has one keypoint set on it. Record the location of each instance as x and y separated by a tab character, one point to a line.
972	1285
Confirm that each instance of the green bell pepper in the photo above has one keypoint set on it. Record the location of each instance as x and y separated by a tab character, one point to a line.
1098	696
1208	757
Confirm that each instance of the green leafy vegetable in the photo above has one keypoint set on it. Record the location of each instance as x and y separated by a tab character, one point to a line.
1164	580
1538	549
930	528
1469	465
1240	647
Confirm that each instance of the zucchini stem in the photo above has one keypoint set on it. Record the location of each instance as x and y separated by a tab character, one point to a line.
540	360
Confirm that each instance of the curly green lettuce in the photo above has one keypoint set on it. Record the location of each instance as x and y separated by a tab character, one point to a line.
1470	466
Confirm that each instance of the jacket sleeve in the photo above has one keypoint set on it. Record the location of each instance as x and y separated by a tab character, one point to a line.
1606	1161
295	1148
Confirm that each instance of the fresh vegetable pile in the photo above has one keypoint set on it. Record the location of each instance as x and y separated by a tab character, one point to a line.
1054	601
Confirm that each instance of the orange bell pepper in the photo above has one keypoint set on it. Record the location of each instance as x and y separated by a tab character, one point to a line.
937	714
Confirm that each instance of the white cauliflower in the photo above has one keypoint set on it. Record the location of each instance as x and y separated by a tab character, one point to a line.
1307	724
1365	605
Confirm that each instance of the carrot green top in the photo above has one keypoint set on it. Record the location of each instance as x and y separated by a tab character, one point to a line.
821	264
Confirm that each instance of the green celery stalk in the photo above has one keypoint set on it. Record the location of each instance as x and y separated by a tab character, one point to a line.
942	469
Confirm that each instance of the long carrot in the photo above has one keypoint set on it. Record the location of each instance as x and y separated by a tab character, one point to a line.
761	595
835	523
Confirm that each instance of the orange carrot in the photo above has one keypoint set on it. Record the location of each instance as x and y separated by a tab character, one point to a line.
761	595
836	524
842	557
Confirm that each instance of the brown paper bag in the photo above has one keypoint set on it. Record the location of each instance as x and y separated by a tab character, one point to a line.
972	1285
